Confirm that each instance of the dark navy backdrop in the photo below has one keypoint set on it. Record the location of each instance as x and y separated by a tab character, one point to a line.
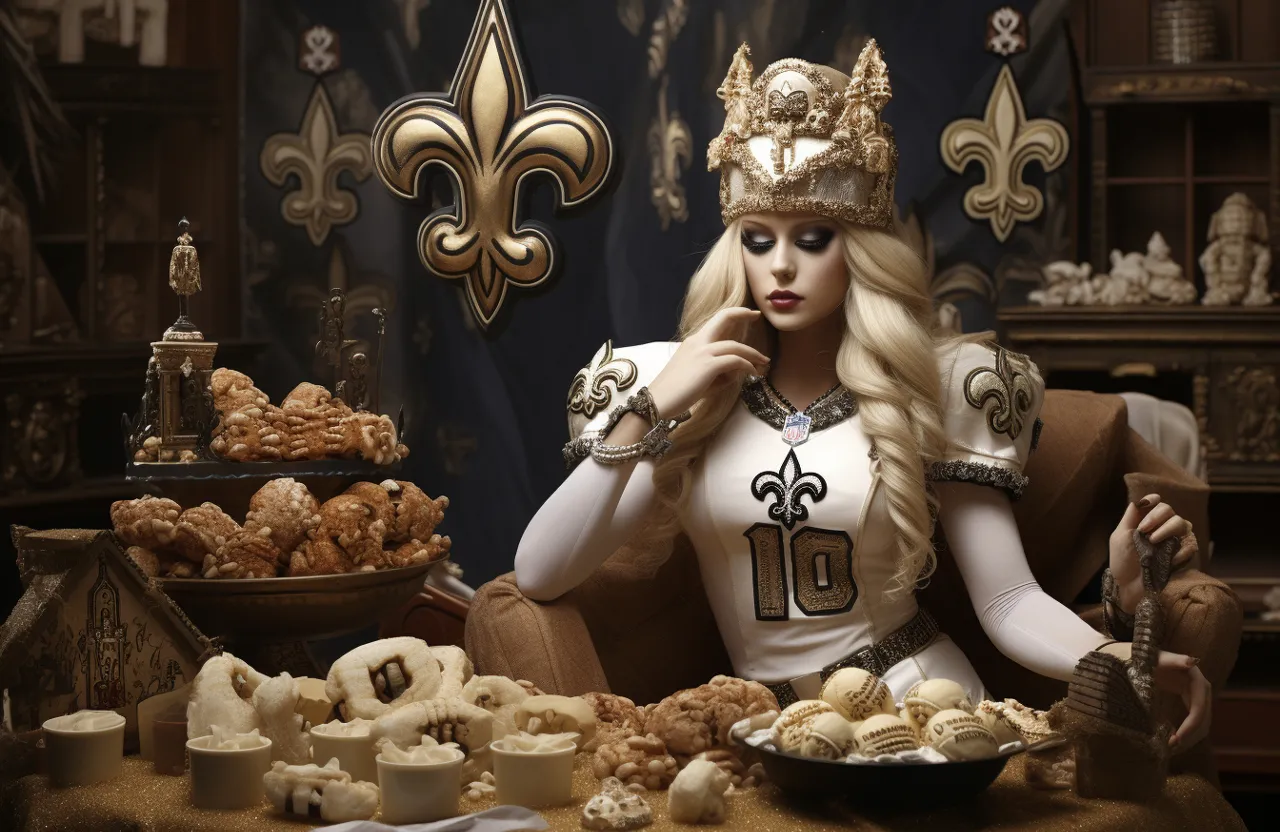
486	410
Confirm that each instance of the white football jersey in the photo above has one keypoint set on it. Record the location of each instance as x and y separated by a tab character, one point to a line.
795	542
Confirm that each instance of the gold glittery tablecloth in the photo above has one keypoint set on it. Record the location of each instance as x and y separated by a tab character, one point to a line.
142	800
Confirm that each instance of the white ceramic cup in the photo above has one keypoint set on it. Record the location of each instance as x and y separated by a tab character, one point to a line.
419	792
227	778
79	757
355	754
532	779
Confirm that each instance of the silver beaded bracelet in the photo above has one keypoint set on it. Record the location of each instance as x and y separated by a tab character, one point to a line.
655	443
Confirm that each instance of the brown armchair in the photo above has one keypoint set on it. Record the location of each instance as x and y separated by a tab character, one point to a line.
645	630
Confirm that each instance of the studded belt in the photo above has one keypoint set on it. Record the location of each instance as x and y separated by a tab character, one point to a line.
902	643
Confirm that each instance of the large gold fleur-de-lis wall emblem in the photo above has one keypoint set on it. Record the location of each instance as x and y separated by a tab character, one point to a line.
1003	142
488	136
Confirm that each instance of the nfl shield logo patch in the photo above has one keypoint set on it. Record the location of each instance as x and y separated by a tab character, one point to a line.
795	431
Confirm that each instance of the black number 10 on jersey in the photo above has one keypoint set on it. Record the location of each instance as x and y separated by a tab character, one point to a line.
821	564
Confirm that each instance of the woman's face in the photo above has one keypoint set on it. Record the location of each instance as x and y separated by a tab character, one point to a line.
795	267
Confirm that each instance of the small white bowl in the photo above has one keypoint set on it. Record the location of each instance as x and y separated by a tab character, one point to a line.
533	779
82	757
355	753
419	792
227	778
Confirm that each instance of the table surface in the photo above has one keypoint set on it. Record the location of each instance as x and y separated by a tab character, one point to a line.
143	800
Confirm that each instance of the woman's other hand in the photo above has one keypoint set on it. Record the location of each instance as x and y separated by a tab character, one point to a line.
1160	522
1176	673
714	354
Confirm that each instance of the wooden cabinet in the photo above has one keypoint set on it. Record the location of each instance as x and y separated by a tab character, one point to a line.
1160	147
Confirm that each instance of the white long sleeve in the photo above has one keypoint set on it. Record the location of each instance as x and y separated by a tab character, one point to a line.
1020	618
593	512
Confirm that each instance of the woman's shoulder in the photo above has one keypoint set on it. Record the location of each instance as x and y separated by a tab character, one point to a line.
612	374
991	399
970	364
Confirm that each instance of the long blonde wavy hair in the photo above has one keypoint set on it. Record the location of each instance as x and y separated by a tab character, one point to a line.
886	359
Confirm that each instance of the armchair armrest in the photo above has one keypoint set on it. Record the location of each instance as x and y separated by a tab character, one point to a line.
547	644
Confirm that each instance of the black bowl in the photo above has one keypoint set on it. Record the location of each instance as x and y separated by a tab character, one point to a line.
894	785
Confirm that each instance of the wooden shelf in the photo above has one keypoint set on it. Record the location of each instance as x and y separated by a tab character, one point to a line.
94	488
1182	180
1186	83
105	89
1119	325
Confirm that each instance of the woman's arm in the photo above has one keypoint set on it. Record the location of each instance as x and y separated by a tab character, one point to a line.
593	512
1023	621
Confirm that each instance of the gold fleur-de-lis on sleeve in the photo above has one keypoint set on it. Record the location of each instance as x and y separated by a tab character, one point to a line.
488	136
587	393
1009	385
1003	142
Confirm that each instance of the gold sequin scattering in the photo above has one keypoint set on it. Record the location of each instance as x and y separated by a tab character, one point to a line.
142	800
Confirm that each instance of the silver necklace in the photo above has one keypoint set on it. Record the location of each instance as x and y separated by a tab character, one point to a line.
765	402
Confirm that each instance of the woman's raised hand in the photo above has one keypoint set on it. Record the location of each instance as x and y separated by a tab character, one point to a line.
714	354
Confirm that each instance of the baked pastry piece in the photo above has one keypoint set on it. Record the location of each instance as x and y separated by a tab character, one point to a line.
351	522
148	521
245	555
318	557
200	532
694	720
287	509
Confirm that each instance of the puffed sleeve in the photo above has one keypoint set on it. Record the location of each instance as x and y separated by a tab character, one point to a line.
991	400
604	384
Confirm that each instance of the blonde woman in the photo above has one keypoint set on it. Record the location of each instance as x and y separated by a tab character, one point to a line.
806	427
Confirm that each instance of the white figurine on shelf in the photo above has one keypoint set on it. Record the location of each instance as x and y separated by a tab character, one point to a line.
115	20
1135	278
1237	263
1165	282
1066	284
1127	282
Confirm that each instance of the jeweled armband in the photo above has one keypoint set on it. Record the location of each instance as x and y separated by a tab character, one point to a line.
655	443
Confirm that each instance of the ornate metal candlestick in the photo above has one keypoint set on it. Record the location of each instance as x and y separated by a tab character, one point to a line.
352	386
176	414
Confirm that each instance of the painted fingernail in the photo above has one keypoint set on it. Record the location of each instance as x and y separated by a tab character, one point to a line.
1144	502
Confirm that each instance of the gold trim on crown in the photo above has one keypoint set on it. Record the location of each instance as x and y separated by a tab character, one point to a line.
804	138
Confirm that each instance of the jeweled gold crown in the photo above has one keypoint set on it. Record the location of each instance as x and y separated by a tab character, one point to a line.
806	138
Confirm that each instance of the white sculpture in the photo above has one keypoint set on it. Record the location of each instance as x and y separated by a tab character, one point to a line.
1066	284
1165	282
1135	278
115	20
1237	263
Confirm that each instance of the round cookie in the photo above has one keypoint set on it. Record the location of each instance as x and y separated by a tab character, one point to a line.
925	698
960	736
884	734
829	737
857	694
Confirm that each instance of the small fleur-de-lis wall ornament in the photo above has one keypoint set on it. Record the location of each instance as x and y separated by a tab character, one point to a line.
316	155
1003	142
488	135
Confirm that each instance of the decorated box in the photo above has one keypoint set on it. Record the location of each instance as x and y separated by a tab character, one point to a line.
90	631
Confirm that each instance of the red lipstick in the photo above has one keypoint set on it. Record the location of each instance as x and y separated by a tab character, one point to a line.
783	300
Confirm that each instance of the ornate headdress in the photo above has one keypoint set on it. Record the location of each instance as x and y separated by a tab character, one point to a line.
804	137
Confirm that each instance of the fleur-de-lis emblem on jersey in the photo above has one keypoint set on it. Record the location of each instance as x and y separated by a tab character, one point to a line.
588	394
488	136
789	485
1009	384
